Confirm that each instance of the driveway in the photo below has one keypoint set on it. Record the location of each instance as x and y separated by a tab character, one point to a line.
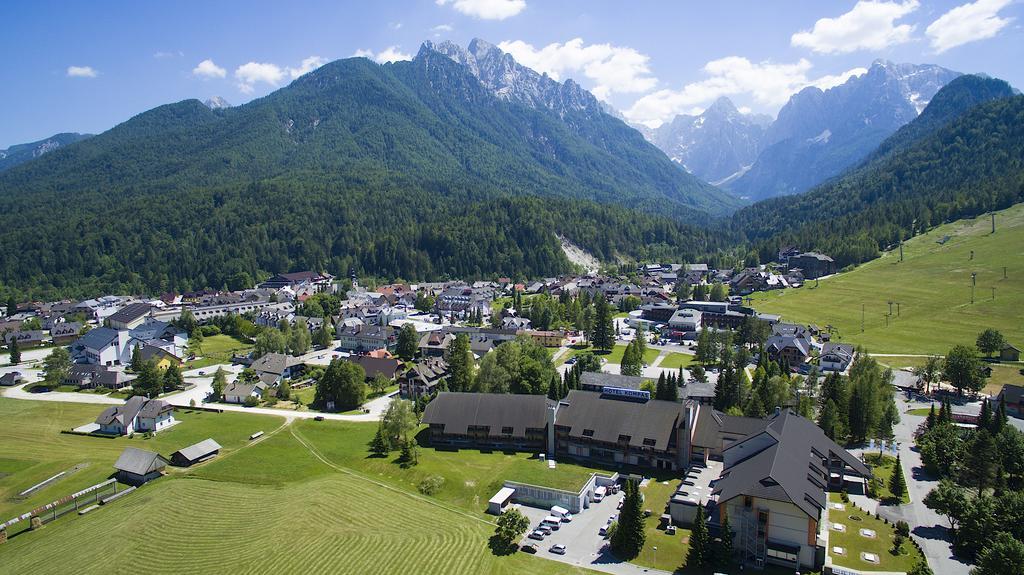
582	539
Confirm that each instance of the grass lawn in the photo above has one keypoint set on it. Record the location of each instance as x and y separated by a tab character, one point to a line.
620	349
922	411
676	360
471	476
1002	373
216	518
854	543
932	285
216	349
672	549
883	468
33	440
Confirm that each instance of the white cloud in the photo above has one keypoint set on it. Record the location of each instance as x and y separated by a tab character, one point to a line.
207	69
252	73
389	54
767	83
442	29
486	9
81	72
967	23
833	80
870	25
166	55
307	65
395	25
612	69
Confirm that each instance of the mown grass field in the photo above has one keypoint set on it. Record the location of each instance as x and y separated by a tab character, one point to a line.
33	448
676	360
216	349
932	286
613	356
1002	373
289	503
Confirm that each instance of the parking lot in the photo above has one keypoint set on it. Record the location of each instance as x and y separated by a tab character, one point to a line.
581	537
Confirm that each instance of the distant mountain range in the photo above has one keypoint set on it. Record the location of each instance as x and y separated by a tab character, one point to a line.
716	145
817	135
385	156
963	156
21	153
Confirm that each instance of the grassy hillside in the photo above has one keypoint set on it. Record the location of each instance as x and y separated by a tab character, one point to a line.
308	502
932	285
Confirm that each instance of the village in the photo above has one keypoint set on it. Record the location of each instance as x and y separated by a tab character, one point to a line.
659	382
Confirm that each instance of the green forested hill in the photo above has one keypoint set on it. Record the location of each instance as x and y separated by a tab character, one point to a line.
931	172
410	169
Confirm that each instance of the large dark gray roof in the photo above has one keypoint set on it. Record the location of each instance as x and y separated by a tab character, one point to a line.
155	407
139	461
791	468
712	425
458	411
610	418
131	312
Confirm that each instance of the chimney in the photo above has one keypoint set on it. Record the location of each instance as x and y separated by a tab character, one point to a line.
552	411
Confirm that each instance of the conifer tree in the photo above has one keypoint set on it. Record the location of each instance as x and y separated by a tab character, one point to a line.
930	421
629	537
379	444
15	352
897	484
700	542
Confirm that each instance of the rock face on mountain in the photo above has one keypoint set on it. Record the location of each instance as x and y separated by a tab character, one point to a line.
716	145
819	134
217	103
21	153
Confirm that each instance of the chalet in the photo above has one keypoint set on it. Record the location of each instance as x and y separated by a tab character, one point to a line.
1013	398
386	367
130	316
65	332
321	281
26	339
773	489
162	358
788	349
515	323
488	421
239	392
11	378
812	264
836	356
423	377
203	451
137	414
137	466
273	368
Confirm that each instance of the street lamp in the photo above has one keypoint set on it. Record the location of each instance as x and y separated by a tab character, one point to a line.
655	554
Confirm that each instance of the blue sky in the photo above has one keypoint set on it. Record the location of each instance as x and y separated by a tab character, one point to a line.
86	66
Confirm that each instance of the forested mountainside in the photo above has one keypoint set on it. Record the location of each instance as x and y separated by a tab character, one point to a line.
410	169
923	176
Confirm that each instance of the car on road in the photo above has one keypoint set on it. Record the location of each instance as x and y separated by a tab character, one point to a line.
528	548
571	360
202	373
537	534
603	531
557	549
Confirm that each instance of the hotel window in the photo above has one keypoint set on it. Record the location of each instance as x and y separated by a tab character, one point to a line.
588	433
506	431
624	438
649	442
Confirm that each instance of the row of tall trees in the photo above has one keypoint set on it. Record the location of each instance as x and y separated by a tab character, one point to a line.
859	406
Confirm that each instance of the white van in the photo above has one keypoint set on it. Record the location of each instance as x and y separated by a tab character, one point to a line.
600	493
562	513
551	521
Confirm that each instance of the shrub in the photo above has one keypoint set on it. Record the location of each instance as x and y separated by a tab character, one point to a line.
902	529
431	485
844	496
251	401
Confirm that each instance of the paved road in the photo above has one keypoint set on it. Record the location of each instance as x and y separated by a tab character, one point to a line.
927	527
203	385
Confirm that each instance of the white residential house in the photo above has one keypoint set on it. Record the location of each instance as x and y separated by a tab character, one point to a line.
138	414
